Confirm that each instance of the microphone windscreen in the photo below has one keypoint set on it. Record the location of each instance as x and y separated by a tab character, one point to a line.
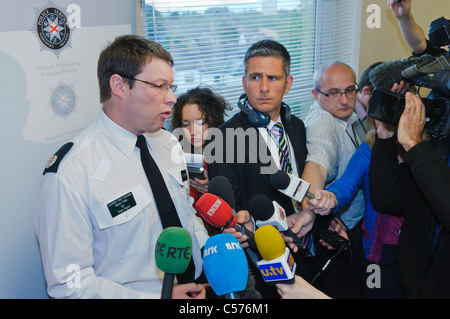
385	75
221	186
280	180
260	207
270	243
225	264
215	210
173	250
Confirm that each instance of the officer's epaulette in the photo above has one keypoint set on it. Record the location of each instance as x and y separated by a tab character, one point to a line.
55	160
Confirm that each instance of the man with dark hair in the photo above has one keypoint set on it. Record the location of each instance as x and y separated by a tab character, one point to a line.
263	138
363	98
98	217
266	80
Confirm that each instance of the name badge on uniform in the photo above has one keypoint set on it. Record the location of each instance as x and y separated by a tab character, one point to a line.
184	175
121	204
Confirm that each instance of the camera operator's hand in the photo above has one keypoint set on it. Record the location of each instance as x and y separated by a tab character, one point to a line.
412	122
411	31
400	88
384	130
400	9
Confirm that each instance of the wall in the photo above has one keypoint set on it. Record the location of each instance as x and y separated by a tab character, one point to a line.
47	95
381	39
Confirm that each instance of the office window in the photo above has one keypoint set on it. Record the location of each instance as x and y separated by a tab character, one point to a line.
208	39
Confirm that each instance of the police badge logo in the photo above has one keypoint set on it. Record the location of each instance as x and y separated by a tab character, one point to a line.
51	161
63	100
52	28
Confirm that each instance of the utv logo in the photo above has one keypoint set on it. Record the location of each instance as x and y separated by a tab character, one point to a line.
52	29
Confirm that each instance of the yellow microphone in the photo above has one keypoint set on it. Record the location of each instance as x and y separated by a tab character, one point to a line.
277	265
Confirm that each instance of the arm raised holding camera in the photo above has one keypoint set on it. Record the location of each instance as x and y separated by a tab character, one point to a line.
411	31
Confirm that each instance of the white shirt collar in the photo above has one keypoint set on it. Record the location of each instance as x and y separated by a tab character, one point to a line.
123	139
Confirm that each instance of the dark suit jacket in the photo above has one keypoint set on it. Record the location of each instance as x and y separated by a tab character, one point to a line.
418	190
244	162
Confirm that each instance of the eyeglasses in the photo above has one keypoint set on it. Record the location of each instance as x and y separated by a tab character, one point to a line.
349	92
165	87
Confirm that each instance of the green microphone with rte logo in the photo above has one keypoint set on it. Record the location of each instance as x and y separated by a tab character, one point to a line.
173	253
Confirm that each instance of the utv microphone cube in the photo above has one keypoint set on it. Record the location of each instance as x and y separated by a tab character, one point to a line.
279	270
277	265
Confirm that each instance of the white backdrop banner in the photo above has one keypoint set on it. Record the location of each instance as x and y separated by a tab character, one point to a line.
48	94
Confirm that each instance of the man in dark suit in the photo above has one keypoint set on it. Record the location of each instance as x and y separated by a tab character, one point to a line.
248	151
248	148
246	158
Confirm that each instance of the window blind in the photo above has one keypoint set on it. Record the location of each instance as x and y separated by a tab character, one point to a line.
208	39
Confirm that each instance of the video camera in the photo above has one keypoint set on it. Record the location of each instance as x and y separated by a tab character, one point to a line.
432	72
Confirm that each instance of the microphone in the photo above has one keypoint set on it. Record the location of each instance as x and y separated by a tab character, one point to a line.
290	185
417	70
278	265
225	265
215	211
267	212
428	64
172	255
218	213
386	74
221	186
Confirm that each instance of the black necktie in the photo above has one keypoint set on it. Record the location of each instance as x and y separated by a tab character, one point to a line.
163	200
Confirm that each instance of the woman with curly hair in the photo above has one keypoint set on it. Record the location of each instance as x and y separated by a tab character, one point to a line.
194	112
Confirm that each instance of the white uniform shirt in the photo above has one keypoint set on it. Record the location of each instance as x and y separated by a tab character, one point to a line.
331	143
76	230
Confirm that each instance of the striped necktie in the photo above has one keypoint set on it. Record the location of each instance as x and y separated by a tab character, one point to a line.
283	149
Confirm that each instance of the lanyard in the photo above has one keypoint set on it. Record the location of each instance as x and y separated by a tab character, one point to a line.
354	138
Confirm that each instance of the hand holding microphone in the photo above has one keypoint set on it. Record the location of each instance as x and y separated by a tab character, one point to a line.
323	202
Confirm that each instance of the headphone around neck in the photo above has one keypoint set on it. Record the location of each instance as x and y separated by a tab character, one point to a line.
257	118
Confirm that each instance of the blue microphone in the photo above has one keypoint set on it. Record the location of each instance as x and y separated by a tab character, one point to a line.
225	265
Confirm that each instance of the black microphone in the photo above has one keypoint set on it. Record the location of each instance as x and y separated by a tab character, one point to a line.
221	187
268	212
386	74
290	185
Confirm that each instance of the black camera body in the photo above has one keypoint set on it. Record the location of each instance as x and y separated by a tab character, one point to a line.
388	107
432	72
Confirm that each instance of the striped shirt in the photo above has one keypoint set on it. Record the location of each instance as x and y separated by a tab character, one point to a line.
331	143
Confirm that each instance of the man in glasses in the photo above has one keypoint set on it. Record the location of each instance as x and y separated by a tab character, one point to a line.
332	139
99	216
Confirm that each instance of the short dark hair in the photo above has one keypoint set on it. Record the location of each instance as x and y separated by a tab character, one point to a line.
212	105
269	48
364	80
126	56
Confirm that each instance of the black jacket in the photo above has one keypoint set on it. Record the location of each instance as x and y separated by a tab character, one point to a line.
418	189
244	161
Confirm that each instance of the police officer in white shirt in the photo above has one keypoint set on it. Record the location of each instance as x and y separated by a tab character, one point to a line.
113	257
